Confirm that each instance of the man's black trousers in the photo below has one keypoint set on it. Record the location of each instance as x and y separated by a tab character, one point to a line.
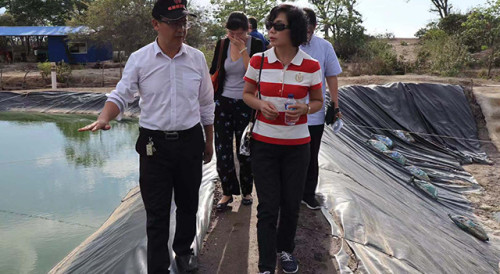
176	165
316	133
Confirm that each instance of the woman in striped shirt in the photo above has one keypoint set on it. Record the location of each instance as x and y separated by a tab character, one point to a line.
280	151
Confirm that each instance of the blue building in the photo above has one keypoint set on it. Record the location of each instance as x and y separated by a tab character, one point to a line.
60	47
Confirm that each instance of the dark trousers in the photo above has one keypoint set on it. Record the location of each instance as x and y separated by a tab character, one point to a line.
316	133
280	172
231	118
176	165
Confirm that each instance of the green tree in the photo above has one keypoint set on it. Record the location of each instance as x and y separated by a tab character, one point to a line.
452	24
256	8
483	24
380	55
7	19
204	29
340	19
42	12
443	54
126	24
422	31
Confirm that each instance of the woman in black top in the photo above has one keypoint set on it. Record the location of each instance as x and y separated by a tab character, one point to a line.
231	113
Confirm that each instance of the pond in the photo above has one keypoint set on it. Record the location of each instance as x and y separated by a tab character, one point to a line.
58	186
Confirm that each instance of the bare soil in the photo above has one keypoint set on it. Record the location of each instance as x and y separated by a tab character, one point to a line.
27	76
405	48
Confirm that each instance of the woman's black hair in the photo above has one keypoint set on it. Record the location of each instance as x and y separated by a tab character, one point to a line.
237	20
297	22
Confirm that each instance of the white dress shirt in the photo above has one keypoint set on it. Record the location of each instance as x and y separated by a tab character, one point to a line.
175	93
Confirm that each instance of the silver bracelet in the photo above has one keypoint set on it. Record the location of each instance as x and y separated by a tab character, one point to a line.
241	51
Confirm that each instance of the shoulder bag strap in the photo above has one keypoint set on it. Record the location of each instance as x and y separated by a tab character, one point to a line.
254	112
260	73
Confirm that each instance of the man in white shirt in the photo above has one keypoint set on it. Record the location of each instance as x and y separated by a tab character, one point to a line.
321	50
176	95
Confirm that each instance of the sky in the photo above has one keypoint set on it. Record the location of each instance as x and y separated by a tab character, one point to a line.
403	18
399	17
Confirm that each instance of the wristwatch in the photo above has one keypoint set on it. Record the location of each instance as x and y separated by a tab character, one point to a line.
308	109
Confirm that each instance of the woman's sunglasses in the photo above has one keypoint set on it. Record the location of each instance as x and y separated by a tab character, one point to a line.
277	26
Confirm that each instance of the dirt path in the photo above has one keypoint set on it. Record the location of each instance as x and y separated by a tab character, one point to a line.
487	203
231	243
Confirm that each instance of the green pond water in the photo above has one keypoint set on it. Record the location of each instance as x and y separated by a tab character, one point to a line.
57	186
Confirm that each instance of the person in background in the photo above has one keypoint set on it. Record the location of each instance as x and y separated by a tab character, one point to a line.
176	95
252	30
321	50
280	139
232	115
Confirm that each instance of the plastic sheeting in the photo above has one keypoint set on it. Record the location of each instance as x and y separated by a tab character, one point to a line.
119	246
57	101
389	224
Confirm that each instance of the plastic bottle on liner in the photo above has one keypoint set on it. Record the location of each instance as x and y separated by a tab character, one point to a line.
289	102
337	126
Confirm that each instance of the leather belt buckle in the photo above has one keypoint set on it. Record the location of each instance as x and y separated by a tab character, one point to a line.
172	135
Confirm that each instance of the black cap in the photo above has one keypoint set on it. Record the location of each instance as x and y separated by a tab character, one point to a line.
170	9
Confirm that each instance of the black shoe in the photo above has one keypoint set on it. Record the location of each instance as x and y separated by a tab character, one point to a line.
246	201
222	206
288	263
311	203
186	263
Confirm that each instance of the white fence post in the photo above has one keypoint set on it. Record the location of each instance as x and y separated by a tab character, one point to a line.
53	75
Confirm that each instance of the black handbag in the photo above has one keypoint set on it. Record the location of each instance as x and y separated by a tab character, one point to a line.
247	133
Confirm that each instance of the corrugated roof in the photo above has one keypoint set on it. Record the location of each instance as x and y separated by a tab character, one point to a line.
39	31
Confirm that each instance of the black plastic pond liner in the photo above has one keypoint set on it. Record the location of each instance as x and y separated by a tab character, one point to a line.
391	224
57	101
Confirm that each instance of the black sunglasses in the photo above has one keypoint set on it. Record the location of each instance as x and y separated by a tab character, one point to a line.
277	26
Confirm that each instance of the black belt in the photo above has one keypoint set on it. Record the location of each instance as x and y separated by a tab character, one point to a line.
170	134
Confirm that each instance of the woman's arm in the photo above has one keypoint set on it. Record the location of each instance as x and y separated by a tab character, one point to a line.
246	58
315	104
315	100
266	108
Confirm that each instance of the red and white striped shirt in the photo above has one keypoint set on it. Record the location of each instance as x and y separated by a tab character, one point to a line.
302	75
